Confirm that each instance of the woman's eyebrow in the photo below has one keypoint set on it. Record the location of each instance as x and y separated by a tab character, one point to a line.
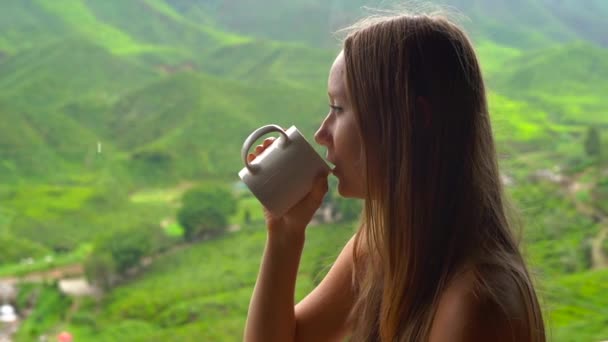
332	96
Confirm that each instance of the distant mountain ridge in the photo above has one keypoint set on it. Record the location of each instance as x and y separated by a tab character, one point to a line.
522	23
153	87
95	65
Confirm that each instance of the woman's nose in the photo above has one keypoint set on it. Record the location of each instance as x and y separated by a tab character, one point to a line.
322	135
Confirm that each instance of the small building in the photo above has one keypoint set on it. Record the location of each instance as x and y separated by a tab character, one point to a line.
8	313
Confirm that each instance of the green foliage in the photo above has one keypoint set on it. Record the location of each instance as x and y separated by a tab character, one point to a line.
247	204
15	249
193	292
566	81
50	308
593	142
27	294
531	24
126	248
63	217
43	264
205	222
115	254
601	195
100	270
205	211
84	319
576	306
556	235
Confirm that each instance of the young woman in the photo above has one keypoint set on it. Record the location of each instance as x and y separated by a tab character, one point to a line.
434	258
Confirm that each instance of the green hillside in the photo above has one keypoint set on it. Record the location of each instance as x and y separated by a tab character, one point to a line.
187	124
198	293
522	23
578	308
50	95
262	62
587	19
568	81
50	76
202	292
24	24
97	93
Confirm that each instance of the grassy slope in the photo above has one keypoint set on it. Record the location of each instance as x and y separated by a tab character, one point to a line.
205	116
62	217
308	21
577	307
107	54
23	19
556	236
51	117
587	18
37	77
568	81
510	22
261	62
53	123
202	292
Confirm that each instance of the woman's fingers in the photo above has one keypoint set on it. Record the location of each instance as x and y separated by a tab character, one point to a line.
267	142
259	149
319	189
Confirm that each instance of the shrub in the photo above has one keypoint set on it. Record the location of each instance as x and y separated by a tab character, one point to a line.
205	211
126	248
100	270
115	254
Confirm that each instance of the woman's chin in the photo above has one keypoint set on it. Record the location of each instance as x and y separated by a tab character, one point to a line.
345	191
346	188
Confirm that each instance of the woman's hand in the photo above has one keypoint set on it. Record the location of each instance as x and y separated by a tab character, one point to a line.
297	217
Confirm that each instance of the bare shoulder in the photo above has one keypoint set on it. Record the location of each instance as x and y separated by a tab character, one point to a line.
485	305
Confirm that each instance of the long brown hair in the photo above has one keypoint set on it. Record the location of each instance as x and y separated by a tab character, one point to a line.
434	197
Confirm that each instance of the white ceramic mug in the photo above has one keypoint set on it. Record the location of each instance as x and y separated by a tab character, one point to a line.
284	173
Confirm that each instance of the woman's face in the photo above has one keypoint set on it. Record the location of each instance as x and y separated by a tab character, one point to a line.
339	132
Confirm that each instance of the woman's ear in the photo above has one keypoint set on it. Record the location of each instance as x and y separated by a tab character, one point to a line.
423	106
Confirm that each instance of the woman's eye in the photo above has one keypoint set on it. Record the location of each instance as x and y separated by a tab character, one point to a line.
335	108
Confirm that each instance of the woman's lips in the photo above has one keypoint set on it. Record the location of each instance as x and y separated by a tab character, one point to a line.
332	165
333	170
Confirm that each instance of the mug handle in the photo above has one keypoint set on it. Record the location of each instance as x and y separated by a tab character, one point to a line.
251	139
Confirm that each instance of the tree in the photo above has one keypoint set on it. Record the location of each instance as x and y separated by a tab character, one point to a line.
592	142
114	254
205	211
247	216
127	247
100	270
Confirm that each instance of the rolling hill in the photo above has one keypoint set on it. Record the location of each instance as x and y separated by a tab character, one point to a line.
568	81
96	70
519	23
